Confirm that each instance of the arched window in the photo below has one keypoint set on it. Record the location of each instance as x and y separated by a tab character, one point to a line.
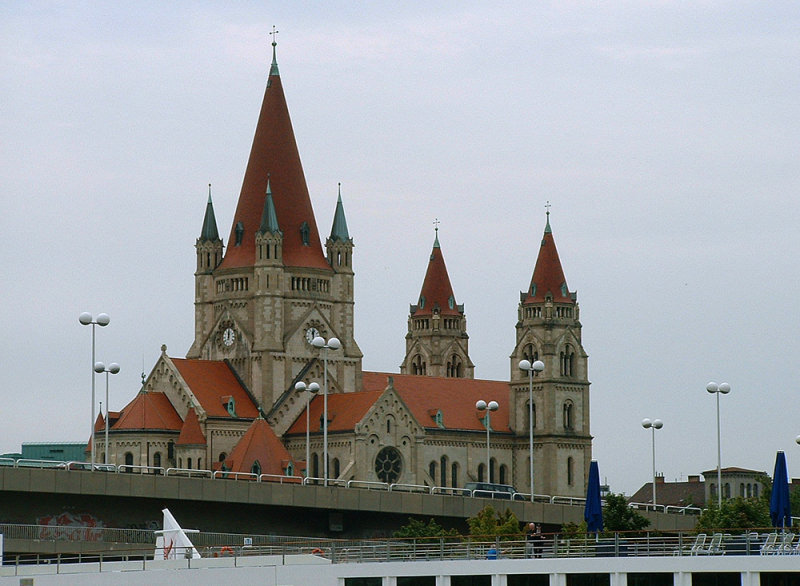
454	367
503	472
222	456
570	471
568	416
256	468
432	471
741	490
418	365
188	463
157	459
199	463
443	469
315	465
530	354
481	472
492	468
755	490
567	361
712	489
336	468
388	425
528	414
128	461
727	493
454	475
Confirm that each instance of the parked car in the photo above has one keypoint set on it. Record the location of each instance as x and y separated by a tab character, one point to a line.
491	490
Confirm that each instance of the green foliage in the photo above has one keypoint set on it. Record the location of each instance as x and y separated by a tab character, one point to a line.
573	530
416	529
618	516
794	500
738	513
489	522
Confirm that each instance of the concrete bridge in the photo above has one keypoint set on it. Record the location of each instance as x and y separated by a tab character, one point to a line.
65	497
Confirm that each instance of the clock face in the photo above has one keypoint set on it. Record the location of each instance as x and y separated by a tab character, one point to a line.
228	337
311	333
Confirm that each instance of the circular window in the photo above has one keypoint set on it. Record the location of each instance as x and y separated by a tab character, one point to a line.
388	464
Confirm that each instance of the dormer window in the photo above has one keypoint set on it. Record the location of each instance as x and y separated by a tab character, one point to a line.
239	233
422	302
563	289
533	289
438	419
304	233
451	302
230	405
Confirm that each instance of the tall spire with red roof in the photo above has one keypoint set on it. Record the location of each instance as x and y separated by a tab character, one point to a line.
548	329
274	157
437	341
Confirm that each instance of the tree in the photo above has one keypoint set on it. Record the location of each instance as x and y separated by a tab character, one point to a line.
618	516
416	529
489	522
738	513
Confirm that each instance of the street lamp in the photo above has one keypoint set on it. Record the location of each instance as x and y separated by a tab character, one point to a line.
492	406
102	320
324	347
533	370
654	425
112	368
312	389
716	389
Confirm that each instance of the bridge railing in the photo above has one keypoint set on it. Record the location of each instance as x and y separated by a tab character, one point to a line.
315	481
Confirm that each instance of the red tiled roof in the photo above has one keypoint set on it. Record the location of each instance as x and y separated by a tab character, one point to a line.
548	276
436	288
191	433
149	411
274	155
344	411
454	397
259	443
423	395
210	381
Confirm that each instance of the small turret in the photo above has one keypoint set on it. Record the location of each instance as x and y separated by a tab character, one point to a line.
339	244
209	244
269	238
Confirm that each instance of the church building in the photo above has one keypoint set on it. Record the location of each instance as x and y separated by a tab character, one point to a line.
274	313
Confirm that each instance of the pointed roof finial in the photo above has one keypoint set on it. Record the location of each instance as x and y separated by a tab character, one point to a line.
436	223
339	229
547	229
274	69
269	218
209	231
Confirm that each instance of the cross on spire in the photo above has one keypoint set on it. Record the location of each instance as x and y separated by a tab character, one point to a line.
272	34
547	207
436	223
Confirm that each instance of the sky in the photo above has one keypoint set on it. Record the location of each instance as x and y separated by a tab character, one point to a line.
663	134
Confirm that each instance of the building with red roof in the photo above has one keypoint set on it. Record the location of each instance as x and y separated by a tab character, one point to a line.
267	302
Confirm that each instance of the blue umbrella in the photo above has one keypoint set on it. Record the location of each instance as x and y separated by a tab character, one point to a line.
593	512
780	510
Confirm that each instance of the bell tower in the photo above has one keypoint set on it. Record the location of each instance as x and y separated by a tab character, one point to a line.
258	305
437	343
548	329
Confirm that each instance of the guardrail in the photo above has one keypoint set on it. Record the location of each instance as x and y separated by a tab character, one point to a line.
73	466
213	545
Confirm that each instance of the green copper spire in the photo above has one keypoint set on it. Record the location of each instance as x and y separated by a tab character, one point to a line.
547	229
269	219
209	231
274	69
339	228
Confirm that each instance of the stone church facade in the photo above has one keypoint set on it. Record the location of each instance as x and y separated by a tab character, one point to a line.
261	300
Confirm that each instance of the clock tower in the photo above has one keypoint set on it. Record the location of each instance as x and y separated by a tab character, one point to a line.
258	305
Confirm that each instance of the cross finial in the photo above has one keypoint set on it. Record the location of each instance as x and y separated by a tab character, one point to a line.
272	34
436	223
547	207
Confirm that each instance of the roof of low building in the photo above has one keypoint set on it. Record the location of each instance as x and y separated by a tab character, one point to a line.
211	382
258	444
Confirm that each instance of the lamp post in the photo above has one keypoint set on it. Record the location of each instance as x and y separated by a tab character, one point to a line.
716	389
654	425
112	368
324	347
532	370
102	320
312	389
491	406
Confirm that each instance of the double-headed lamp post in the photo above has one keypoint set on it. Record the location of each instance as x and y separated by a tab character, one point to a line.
102	320
716	389
112	368
325	347
312	389
532	370
653	424
491	406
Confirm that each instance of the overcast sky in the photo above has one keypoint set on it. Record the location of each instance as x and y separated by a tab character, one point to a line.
665	135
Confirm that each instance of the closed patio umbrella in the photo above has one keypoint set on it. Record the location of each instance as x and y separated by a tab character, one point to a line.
593	512
780	510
